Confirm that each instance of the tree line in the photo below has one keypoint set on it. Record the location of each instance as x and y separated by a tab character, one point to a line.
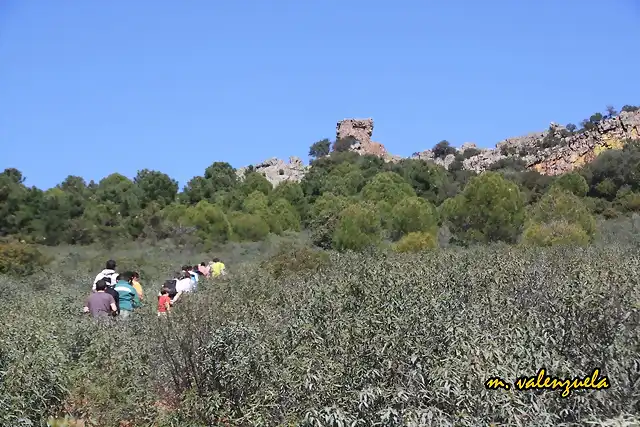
346	201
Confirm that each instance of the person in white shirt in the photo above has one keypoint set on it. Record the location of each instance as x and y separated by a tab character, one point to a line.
108	273
183	285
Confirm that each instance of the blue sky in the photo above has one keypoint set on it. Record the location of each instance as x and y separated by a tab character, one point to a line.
94	87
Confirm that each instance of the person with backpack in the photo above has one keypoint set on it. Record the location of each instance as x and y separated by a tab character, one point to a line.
170	285
108	273
109	289
129	299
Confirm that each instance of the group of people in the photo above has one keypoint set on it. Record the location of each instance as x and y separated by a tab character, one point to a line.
119	294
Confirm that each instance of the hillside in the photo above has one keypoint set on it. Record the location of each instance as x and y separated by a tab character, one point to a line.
363	290
353	177
554	151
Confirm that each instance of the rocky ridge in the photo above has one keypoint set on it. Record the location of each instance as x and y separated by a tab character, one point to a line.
554	151
277	171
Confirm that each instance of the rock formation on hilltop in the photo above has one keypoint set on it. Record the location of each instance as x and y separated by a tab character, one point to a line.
361	130
277	171
554	151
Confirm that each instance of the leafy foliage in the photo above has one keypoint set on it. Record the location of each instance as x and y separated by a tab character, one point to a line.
490	208
391	339
20	259
416	241
442	149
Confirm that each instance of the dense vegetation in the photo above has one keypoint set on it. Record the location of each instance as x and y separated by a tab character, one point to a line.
369	293
327	339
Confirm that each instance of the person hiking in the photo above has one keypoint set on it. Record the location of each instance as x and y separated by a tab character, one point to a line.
203	269
109	272
217	268
183	285
135	282
129	299
109	289
164	302
100	303
170	285
193	272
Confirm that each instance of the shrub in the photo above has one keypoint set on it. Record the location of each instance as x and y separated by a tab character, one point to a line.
510	163
360	342
323	218
416	242
285	215
343	145
470	152
559	205
21	259
389	187
295	261
555	233
249	226
627	200
210	221
490	208
442	149
413	214
573	183
358	228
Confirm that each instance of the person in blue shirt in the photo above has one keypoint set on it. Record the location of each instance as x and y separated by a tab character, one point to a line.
128	296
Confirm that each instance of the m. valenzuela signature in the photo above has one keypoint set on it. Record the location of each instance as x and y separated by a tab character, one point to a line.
542	381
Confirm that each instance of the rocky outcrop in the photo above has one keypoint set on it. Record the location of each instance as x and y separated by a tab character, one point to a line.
361	130
557	150
277	171
554	151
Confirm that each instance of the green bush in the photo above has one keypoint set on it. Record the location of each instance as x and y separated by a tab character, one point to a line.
573	183
417	241
285	215
295	260
490	208
248	226
323	218
210	221
413	214
559	205
555	233
359	228
21	259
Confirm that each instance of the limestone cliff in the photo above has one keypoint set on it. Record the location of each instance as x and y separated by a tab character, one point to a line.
551	152
557	150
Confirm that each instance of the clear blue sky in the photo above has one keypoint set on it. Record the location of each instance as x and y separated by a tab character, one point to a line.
94	87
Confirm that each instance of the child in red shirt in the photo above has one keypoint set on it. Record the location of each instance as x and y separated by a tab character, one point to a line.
164	302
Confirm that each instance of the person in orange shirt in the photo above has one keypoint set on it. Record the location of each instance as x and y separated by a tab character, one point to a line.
135	282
